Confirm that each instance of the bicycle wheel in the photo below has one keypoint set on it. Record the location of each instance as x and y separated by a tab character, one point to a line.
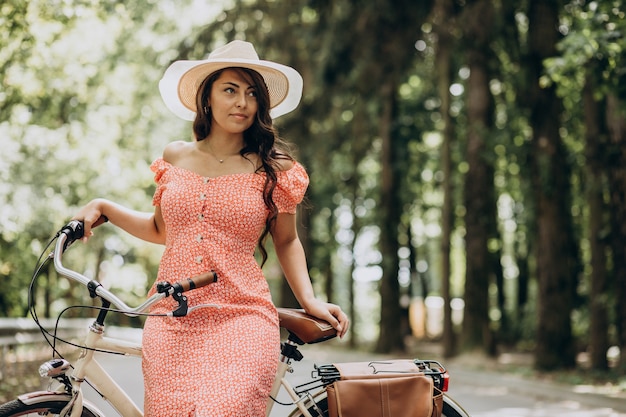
38	407
450	408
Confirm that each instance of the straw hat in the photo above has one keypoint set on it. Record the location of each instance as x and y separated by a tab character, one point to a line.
182	79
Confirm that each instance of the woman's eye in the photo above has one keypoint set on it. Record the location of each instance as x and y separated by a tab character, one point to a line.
252	93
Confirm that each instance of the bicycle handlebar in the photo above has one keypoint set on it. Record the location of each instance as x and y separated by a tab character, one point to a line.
74	230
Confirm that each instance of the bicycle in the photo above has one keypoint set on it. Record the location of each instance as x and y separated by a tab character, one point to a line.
309	399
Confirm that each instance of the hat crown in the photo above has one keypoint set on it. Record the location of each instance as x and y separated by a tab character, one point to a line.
235	50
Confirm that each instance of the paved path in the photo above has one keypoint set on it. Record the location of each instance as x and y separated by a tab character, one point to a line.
495	395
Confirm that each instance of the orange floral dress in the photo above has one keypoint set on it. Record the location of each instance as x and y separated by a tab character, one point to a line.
216	362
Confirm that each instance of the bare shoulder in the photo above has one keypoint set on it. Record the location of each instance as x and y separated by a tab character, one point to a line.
175	150
284	164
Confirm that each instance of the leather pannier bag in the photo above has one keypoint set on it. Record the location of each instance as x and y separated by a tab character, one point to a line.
393	388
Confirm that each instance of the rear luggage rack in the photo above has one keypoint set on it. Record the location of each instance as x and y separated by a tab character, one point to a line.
328	373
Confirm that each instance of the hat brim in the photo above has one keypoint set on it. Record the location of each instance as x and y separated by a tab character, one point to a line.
182	79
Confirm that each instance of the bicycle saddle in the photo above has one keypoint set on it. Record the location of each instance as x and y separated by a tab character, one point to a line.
304	328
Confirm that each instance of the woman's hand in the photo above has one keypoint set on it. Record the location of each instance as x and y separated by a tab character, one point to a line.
91	215
332	313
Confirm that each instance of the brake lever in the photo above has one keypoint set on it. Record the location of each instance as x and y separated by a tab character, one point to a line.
183	307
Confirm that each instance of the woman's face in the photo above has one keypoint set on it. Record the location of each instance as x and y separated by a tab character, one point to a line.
233	102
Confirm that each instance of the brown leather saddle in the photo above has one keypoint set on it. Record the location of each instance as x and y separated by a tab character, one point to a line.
303	327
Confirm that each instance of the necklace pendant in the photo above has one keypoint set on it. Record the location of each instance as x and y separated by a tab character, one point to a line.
221	161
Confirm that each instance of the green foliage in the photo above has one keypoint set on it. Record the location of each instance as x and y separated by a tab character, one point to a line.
78	123
594	39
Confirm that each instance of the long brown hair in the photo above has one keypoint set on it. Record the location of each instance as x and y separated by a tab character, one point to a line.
260	138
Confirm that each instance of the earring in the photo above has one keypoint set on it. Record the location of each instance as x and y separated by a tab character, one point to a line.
206	109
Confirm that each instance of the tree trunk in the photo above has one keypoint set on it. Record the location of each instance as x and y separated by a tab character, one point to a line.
390	337
356	228
616	125
478	189
523	280
595	145
550	178
441	17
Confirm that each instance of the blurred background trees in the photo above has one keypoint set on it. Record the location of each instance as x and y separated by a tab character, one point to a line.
467	158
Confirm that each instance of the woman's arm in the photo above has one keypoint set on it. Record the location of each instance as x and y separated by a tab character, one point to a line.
147	226
293	262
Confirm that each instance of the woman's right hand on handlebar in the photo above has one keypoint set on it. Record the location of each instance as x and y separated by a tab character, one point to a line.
92	216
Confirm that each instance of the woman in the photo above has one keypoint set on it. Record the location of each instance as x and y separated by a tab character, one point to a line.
217	199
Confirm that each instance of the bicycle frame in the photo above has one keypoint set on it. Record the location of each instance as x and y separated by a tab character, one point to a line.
284	366
88	367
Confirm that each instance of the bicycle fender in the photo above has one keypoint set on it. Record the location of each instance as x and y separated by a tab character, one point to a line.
32	397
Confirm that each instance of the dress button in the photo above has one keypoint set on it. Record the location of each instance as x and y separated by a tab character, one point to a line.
198	259
199	238
202	197
206	180
200	217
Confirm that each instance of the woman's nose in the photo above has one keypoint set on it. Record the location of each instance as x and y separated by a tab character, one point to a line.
242	100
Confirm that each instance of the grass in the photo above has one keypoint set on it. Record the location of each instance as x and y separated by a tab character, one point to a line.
19	378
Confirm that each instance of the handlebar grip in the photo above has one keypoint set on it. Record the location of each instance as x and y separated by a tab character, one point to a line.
198	281
74	230
101	219
176	290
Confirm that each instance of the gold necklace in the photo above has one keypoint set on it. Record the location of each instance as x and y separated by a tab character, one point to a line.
220	160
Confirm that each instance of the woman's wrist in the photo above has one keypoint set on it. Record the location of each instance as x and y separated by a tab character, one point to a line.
102	205
309	303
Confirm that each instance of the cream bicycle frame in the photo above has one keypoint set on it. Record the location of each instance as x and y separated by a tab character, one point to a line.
88	367
280	381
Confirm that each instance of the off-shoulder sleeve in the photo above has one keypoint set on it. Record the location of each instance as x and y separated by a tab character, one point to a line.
290	188
159	167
